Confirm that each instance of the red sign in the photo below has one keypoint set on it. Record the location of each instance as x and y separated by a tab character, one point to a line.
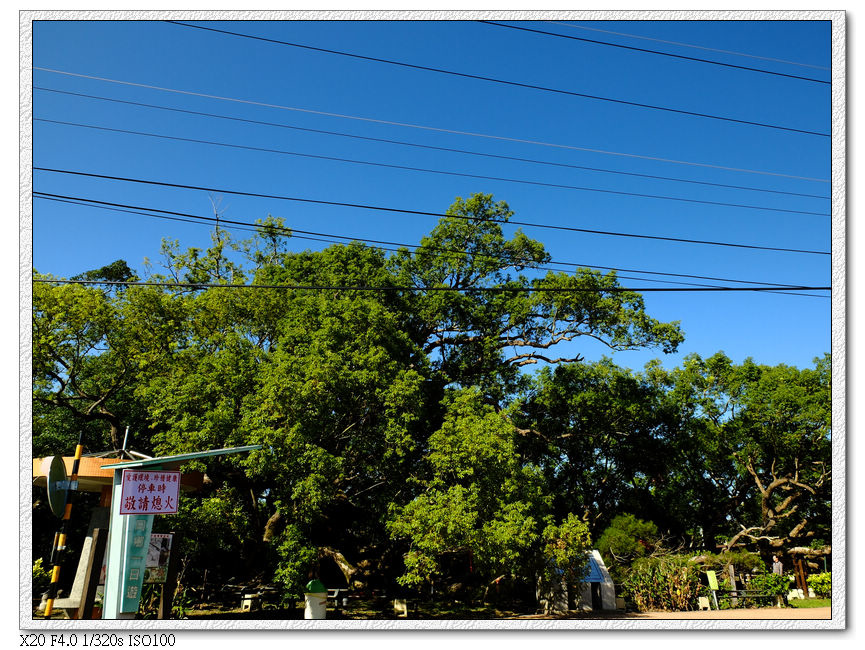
149	492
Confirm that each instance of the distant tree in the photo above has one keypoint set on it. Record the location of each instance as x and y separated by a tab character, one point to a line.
760	438
117	271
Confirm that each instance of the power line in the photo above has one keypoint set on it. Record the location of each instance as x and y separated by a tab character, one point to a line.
341	239
288	230
424	213
698	47
647	51
297	287
435	171
505	82
432	147
435	129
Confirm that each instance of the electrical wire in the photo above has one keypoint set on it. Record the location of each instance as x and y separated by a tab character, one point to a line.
433	171
341	239
541	143
432	147
647	51
332	238
424	213
318	287
697	47
505	82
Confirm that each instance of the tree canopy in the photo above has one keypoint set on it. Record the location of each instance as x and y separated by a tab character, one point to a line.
404	439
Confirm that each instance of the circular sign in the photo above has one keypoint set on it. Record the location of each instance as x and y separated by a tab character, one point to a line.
57	485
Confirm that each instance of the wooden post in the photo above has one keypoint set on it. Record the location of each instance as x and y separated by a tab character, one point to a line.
801	581
733	600
166	599
91	576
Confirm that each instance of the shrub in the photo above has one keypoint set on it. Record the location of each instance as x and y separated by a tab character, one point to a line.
771	583
151	593
670	583
821	583
41	578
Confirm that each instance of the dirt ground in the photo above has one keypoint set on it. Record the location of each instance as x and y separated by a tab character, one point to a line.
767	613
788	613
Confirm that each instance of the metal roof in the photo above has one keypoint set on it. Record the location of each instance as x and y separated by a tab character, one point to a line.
166	461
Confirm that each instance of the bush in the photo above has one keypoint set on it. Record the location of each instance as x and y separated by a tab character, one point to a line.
670	583
771	583
821	583
148	606
41	578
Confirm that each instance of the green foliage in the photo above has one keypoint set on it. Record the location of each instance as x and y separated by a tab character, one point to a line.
296	563
117	271
742	561
477	497
821	583
151	594
750	444
400	423
771	583
668	583
566	547
596	438
41	577
624	540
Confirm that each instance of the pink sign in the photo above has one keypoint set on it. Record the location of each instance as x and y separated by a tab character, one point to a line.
149	492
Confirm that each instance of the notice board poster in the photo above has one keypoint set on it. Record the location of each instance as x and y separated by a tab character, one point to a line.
158	552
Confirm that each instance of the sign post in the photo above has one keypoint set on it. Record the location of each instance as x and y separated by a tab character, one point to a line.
143	489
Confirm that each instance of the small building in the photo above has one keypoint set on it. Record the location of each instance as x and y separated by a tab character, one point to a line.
596	589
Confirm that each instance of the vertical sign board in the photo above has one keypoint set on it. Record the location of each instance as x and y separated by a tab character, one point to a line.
137	540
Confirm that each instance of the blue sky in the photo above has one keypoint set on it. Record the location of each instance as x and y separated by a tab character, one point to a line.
269	78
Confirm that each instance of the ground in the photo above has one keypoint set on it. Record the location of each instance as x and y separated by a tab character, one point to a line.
372	610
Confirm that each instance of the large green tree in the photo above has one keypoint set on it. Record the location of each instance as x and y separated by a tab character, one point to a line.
380	388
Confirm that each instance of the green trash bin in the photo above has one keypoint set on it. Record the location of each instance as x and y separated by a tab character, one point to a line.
315	597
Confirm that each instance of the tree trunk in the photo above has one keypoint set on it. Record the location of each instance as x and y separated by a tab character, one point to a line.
347	568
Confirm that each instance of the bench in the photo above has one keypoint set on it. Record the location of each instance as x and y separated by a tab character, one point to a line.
745	594
734	594
252	598
338	596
